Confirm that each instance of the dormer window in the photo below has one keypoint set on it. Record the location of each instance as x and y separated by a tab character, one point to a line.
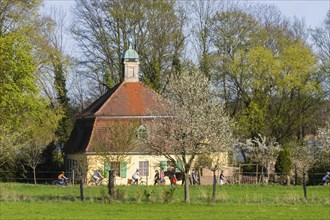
141	132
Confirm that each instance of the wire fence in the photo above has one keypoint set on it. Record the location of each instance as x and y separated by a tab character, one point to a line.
44	177
47	177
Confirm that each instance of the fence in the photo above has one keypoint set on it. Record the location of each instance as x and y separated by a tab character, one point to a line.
47	177
240	177
44	177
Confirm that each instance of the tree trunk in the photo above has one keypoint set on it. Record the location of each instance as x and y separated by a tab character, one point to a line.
81	186
268	171
295	175
186	188
34	176
111	185
199	175
288	179
257	173
304	186
214	187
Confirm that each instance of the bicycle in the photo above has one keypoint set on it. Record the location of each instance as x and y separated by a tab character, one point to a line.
58	182
139	182
324	183
101	182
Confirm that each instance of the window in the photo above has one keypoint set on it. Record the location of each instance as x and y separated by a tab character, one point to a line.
179	166
141	132
144	168
163	165
171	165
119	168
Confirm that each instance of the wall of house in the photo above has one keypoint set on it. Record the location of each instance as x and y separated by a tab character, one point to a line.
147	165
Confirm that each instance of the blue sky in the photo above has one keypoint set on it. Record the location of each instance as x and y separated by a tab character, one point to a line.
313	11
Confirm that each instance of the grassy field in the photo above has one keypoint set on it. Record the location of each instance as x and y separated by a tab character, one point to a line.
24	201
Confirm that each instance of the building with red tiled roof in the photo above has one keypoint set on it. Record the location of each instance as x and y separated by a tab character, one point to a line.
104	135
127	100
102	132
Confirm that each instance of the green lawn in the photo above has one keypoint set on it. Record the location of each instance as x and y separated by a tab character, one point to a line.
24	201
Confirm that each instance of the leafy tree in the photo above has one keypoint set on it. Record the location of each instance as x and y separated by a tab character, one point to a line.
18	91
23	110
54	68
195	123
304	156
18	15
262	152
267	76
284	164
40	133
321	152
31	57
10	143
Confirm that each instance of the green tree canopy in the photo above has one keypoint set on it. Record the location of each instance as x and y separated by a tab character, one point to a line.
283	162
266	76
24	114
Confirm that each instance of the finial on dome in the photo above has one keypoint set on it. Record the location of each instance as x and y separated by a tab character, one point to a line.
130	55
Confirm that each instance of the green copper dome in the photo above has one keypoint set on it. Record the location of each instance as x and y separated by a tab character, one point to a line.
130	55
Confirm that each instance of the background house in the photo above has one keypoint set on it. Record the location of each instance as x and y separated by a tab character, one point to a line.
106	133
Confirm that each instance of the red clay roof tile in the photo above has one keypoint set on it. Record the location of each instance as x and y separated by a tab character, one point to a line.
124	100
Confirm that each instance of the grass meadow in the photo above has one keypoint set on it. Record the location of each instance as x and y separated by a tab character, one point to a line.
27	201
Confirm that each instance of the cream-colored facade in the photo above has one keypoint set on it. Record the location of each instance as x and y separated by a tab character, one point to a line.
147	165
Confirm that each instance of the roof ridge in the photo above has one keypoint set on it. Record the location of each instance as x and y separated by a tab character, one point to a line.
112	95
99	101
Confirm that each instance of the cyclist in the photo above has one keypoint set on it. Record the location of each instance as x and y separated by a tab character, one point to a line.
97	176
62	178
326	178
136	176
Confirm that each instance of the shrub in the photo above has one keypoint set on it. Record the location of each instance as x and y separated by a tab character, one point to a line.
283	163
138	196
121	194
168	195
147	194
104	195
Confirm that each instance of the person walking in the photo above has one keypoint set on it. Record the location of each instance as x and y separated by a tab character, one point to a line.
193	176
162	176
173	178
221	177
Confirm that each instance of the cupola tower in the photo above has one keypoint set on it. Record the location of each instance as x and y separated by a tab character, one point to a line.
131	64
